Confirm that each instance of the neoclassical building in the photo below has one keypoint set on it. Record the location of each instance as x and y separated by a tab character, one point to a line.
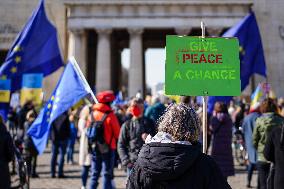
96	32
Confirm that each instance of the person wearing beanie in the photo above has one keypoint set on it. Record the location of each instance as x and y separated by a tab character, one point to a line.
171	159
104	160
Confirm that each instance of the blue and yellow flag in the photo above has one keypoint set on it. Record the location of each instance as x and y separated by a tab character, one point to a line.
5	87
262	91
32	88
35	50
69	90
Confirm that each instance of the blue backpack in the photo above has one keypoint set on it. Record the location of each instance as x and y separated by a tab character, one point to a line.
95	135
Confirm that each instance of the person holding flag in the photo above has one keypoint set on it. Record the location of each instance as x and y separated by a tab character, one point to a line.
71	88
35	50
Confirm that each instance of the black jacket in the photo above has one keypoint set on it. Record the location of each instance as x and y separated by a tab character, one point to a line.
6	155
29	147
60	128
130	139
172	166
274	152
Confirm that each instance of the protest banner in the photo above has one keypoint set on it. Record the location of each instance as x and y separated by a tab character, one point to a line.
198	66
31	88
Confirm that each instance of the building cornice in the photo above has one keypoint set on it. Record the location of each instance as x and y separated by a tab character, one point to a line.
157	2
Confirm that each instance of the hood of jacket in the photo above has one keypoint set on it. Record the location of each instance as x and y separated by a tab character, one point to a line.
166	161
102	107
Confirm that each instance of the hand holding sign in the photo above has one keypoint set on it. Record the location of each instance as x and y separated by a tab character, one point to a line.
199	66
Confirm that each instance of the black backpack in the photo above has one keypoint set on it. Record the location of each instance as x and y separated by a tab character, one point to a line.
95	135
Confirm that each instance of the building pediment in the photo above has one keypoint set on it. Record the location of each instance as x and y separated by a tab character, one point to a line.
154	13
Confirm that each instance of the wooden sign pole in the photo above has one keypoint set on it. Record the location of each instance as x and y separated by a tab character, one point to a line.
204	103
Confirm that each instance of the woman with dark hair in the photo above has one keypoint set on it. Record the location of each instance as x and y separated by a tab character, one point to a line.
171	159
264	125
221	128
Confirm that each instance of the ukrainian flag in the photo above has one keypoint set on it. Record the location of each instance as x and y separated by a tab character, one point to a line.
260	93
32	88
5	87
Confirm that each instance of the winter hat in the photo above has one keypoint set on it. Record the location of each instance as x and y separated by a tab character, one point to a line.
181	122
105	97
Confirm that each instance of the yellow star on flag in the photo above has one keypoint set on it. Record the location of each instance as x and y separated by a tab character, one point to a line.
13	69
242	51
17	48
3	77
52	98
48	106
18	59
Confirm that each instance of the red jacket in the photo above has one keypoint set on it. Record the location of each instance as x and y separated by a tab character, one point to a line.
111	124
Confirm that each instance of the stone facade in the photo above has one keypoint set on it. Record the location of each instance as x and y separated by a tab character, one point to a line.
96	31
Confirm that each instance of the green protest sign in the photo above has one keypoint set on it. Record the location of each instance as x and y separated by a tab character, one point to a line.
198	66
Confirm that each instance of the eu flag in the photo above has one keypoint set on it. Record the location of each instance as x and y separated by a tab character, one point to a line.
251	53
69	90
35	50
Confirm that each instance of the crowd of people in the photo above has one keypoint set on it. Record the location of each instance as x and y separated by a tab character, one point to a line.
157	141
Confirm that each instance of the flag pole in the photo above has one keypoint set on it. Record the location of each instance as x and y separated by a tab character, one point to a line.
204	104
78	70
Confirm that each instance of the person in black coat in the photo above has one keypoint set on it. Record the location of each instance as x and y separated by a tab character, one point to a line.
30	151
274	152
171	159
6	155
60	133
23	114
133	134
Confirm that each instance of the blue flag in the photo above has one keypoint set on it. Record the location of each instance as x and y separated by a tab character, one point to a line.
119	99
251	53
70	89
35	50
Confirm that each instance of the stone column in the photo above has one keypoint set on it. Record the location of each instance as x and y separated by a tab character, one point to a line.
214	32
103	75
136	70
78	48
182	31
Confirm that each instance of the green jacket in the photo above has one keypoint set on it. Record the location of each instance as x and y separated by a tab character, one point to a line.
264	125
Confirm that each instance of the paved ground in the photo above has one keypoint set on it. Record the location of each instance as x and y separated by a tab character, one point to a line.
73	176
